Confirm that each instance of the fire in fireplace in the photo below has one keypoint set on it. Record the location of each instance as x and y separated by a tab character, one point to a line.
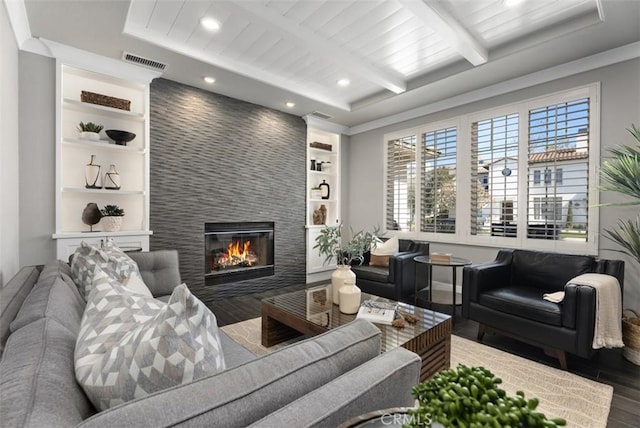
238	251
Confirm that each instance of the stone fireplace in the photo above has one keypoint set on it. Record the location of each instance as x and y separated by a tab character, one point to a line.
236	251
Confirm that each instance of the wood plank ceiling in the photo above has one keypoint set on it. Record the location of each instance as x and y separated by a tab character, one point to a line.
307	46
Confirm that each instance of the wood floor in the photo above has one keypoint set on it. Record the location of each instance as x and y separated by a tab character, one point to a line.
607	366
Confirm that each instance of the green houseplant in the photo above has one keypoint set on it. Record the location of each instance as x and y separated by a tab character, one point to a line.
621	174
470	397
111	218
90	130
329	244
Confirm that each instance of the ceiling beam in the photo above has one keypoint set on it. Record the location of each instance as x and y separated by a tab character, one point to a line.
434	16
324	47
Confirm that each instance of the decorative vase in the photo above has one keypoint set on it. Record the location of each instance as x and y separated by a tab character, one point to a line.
92	175
349	297
111	223
93	136
338	277
324	187
112	179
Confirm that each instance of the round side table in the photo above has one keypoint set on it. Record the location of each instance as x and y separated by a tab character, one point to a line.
455	263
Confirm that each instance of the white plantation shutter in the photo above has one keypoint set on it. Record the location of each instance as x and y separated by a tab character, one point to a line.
401	182
559	145
494	176
438	183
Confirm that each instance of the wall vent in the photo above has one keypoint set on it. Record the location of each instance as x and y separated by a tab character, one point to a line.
137	59
321	115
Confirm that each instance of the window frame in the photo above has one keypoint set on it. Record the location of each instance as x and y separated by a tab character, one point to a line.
463	124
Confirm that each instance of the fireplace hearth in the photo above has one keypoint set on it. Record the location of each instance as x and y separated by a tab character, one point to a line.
238	251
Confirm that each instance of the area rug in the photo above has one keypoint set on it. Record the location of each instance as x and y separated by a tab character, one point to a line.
582	402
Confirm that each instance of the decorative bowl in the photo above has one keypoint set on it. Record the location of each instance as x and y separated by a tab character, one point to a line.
120	137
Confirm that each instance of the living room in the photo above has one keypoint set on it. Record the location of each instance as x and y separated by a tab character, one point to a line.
264	166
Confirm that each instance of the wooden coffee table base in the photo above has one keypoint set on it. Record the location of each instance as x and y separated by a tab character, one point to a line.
431	340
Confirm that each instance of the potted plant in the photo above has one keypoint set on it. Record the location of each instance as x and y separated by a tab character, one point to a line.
111	218
470	396
621	174
90	131
329	245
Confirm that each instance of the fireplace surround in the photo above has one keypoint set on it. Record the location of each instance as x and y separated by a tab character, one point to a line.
236	251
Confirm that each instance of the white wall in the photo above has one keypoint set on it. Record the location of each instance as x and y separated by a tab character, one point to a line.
619	109
37	158
9	143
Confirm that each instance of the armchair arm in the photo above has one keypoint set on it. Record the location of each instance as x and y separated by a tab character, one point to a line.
402	272
579	313
482	277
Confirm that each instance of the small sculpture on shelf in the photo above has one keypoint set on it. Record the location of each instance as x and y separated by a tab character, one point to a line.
92	175
320	215
112	179
91	215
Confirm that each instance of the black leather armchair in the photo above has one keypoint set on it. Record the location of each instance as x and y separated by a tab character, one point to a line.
505	296
397	282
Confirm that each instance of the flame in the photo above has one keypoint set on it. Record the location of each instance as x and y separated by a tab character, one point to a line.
237	254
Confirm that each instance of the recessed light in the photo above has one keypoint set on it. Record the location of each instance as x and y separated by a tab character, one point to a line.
343	82
210	23
290	104
512	3
209	79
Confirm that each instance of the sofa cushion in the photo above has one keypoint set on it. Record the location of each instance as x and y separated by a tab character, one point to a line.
372	273
131	345
52	297
239	396
523	301
111	260
12	295
386	248
547	271
56	268
159	269
37	382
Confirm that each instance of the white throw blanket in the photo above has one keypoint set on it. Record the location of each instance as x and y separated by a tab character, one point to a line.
608	328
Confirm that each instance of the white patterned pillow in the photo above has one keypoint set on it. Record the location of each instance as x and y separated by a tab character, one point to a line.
110	259
130	345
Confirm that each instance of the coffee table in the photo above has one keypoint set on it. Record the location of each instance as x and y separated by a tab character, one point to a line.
289	315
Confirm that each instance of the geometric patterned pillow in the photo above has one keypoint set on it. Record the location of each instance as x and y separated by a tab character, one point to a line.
131	345
113	261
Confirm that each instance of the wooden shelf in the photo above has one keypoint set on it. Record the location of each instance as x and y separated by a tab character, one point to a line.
102	191
95	234
102	144
102	110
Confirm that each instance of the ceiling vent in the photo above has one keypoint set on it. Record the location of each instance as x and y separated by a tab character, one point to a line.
321	115
137	59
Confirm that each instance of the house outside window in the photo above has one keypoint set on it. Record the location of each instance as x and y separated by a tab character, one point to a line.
531	172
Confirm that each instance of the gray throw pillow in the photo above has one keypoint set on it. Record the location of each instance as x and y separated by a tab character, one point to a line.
131	345
110	259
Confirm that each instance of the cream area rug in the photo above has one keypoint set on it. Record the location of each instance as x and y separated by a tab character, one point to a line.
582	402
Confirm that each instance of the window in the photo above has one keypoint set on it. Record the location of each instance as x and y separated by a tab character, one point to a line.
536	176
401	177
438	184
523	177
494	141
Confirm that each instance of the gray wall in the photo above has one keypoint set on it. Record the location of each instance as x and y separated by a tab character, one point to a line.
9	144
218	159
620	90
37	158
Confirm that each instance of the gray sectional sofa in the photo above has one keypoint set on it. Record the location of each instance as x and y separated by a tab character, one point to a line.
322	381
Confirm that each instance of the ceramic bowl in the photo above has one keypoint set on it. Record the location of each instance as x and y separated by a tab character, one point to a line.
120	137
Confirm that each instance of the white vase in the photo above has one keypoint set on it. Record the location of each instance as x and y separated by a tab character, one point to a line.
111	223
349	297
338	277
112	179
92	175
93	136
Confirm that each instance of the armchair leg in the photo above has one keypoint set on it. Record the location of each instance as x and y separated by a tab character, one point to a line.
481	331
560	355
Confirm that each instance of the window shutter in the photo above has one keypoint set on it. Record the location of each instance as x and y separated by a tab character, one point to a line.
401	181
494	154
559	144
438	184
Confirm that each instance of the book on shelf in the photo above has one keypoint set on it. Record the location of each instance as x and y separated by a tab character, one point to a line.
440	257
377	312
